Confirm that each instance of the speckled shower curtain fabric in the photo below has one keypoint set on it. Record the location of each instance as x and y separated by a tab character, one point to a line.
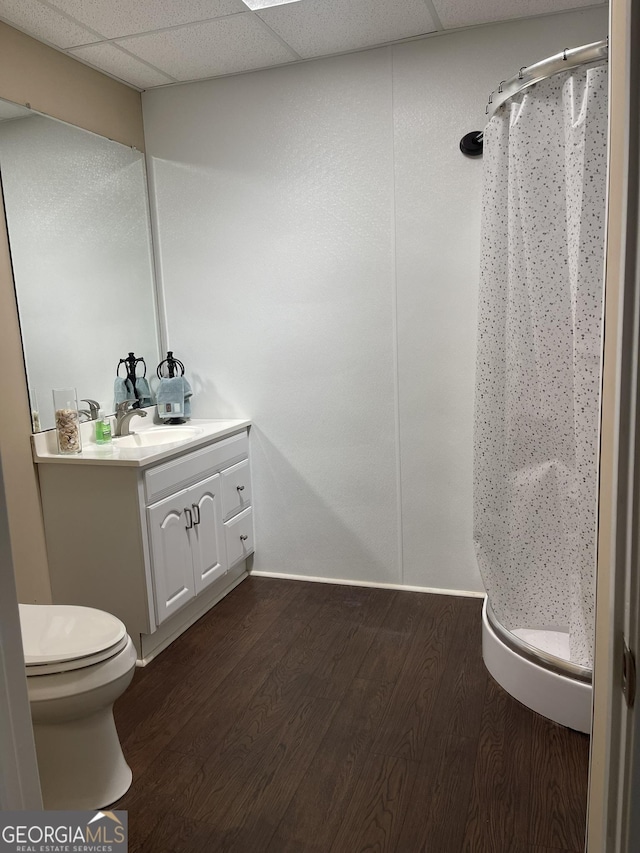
539	355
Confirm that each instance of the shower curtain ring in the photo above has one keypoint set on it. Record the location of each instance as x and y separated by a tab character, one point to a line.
491	98
486	110
564	54
520	72
500	86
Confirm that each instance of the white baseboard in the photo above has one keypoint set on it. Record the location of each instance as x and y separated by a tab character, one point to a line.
466	593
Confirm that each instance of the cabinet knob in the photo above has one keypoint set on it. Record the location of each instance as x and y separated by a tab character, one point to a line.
243	537
240	488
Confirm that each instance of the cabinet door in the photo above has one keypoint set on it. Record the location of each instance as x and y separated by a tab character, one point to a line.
206	535
171	564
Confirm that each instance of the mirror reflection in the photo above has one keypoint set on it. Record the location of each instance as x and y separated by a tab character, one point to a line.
78	223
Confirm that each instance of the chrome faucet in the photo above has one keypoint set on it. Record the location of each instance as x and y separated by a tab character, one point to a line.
94	409
90	414
123	417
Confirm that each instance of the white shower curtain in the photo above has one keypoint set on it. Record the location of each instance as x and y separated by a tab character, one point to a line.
539	355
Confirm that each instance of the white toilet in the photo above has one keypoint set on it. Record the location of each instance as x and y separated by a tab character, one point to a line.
78	662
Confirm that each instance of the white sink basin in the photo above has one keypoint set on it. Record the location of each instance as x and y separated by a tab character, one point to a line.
157	436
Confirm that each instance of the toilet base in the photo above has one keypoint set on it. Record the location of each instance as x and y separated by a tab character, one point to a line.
81	762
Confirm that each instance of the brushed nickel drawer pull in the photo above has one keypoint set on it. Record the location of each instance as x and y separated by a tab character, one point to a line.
188	513
243	536
240	488
196	513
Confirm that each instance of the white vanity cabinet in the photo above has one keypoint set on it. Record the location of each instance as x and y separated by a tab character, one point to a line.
194	534
155	544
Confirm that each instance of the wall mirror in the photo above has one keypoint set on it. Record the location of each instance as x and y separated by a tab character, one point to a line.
78	221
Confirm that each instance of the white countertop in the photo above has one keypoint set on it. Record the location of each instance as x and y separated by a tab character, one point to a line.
45	449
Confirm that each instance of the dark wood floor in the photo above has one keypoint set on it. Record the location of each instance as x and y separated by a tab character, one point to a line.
306	718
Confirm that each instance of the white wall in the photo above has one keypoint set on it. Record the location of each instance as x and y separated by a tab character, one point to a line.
318	237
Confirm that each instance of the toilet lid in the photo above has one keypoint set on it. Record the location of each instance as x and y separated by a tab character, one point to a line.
54	634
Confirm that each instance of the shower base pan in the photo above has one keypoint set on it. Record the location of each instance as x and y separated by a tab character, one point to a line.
533	667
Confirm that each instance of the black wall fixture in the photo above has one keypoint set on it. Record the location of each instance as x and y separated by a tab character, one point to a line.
471	144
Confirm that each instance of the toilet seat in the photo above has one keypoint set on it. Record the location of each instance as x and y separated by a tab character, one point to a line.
76	663
61	638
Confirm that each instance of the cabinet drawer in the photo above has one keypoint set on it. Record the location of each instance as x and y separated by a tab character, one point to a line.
239	536
184	470
236	488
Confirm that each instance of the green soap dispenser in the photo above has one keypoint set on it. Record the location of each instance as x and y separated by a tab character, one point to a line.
103	429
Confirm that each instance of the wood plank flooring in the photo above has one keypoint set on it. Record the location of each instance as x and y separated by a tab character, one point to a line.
307	718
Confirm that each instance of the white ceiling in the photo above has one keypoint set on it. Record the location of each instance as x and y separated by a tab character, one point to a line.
148	43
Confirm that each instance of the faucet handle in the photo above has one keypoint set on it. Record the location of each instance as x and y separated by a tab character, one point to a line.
94	409
123	407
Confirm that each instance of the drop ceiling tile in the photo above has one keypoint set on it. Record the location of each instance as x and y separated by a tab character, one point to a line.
315	28
115	18
44	23
223	46
466	13
108	57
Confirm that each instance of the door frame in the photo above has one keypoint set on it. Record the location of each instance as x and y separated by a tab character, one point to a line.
614	774
19	780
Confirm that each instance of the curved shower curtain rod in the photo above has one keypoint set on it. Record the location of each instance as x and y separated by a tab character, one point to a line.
528	75
472	143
